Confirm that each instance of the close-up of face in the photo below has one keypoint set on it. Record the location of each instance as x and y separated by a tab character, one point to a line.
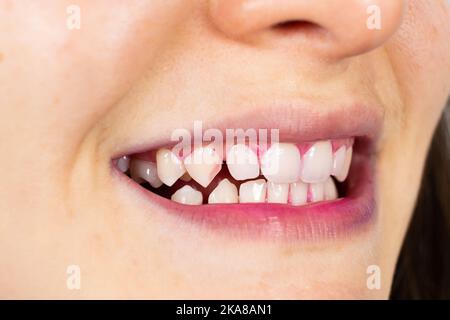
214	149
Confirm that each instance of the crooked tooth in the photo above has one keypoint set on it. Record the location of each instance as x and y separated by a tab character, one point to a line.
253	191
123	163
341	163
298	193
281	163
242	162
187	195
277	192
330	191
317	162
203	164
169	166
317	191
145	170
225	192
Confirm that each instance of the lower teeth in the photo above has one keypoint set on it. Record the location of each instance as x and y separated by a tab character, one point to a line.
250	191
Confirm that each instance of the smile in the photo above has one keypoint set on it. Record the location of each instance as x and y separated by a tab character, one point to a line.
291	187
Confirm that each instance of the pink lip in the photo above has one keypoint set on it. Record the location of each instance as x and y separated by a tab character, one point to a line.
320	221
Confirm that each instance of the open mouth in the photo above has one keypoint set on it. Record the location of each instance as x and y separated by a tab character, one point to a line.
321	188
283	173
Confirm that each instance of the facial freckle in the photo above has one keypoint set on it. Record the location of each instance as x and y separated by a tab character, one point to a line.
1	57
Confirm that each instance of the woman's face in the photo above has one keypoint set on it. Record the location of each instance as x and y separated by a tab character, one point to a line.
74	97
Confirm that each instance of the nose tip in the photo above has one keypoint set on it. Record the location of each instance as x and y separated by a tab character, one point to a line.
335	28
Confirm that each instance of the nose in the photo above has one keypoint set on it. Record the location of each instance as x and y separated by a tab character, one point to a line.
332	28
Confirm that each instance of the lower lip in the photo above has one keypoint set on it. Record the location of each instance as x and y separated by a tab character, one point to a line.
314	222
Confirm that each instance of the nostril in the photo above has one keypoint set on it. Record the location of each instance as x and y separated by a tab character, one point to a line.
294	26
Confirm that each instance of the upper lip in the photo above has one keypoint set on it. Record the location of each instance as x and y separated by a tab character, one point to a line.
304	122
301	122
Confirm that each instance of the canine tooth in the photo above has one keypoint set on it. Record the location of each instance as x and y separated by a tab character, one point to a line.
169	166
187	195
281	163
317	191
145	170
342	168
123	163
225	192
330	191
203	164
298	193
253	191
242	162
338	161
277	192
317	162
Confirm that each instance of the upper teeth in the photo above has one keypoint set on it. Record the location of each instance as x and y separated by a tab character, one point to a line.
145	170
169	166
203	164
341	163
317	162
242	162
281	163
123	163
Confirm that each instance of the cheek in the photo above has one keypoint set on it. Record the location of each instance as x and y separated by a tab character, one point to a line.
72	77
420	54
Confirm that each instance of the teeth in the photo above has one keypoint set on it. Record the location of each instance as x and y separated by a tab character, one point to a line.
277	192
341	163
225	192
253	191
169	166
289	176
123	163
317	162
330	191
298	193
203	164
188	195
281	163
317	191
145	170
242	162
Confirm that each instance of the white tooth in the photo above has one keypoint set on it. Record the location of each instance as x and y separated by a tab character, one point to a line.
169	166
123	163
242	162
187	195
253	191
281	163
317	191
338	161
317	162
225	192
186	177
277	192
146	170
203	164
330	191
341	165
298	193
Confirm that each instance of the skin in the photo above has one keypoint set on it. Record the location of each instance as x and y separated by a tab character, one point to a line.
136	70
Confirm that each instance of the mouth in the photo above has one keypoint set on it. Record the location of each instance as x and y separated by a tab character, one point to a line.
287	180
